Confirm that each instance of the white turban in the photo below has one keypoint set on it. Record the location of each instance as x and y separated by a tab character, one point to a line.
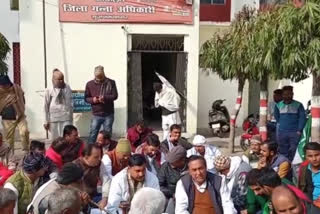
199	140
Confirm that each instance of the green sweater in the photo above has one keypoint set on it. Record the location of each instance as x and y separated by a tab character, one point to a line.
24	186
256	203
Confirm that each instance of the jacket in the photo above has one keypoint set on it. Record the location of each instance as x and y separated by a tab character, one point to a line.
135	138
112	167
168	178
305	181
54	157
236	182
22	186
109	92
119	189
185	193
39	203
211	152
281	165
72	152
290	117
92	176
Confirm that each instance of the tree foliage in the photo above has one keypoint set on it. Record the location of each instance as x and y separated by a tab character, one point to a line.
4	50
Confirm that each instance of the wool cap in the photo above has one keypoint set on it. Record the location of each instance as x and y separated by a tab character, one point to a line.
199	140
33	162
69	173
222	162
123	146
177	153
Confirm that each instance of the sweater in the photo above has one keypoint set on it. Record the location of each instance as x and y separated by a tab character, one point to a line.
290	117
23	188
109	92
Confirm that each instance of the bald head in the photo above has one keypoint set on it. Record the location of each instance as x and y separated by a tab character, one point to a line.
285	201
57	78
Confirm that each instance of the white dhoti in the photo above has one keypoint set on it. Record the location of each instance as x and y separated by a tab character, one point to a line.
56	129
168	121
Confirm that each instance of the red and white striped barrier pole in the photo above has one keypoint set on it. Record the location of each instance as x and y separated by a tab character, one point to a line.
235	112
263	115
315	115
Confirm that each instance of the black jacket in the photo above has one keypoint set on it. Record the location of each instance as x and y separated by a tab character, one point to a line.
305	182
168	178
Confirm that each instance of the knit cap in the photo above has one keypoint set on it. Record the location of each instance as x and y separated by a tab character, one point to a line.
256	139
123	146
222	162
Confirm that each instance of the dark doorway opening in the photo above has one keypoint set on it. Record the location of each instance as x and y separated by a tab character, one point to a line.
141	76
165	65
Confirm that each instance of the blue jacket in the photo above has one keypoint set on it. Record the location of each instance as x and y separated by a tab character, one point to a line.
291	117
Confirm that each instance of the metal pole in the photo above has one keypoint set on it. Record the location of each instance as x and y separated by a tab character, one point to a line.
44	49
44	42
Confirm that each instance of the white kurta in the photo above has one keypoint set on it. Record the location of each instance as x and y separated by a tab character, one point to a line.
169	99
211	152
58	115
119	189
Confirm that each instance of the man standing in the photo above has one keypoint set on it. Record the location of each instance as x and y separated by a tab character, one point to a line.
127	182
12	107
57	105
169	101
272	123
101	94
202	192
291	117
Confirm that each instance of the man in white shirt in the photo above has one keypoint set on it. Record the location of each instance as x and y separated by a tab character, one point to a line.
209	152
201	191
169	101
57	106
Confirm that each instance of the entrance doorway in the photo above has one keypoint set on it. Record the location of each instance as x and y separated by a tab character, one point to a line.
141	76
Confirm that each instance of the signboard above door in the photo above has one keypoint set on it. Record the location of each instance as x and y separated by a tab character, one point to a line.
126	11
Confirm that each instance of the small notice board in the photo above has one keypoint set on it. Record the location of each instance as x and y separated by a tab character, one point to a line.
79	104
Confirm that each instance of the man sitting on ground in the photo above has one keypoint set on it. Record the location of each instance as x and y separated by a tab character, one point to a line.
202	192
272	159
234	176
150	148
137	134
209	152
309	179
104	140
65	201
262	182
75	145
94	172
71	176
23	181
117	159
252	154
127	182
171	172
7	201
288	199
174	139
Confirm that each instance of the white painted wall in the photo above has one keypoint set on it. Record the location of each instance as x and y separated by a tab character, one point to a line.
302	90
77	48
9	27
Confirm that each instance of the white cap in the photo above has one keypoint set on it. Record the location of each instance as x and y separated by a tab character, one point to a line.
199	140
